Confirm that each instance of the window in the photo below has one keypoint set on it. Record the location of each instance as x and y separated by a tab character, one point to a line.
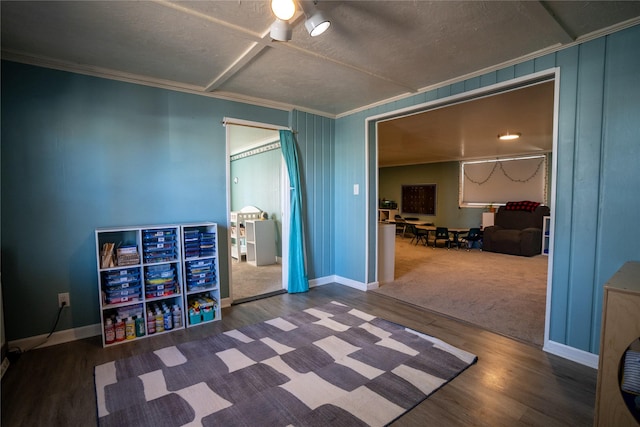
498	181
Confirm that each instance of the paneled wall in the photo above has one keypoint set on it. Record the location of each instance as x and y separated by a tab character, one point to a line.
79	153
315	138
597	161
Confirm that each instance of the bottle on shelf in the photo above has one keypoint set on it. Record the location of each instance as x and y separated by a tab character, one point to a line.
120	332
151	323
168	320
130	328
159	321
177	316
109	332
139	325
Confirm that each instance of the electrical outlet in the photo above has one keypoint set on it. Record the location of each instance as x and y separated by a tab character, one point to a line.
64	298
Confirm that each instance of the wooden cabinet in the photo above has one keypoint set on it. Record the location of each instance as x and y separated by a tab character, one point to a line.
261	242
620	328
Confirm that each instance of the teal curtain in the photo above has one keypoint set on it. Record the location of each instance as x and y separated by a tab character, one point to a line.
298	281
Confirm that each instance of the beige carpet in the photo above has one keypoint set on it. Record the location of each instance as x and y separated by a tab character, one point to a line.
501	293
250	281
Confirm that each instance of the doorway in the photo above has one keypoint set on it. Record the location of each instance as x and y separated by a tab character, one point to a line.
453	213
257	210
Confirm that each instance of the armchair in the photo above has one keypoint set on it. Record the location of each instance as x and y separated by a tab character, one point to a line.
515	231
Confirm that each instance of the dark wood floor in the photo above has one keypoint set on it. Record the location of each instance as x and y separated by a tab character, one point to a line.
512	383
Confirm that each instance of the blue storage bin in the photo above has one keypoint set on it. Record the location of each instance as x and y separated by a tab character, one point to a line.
158	232
159	239
194	319
200	263
159	246
159	268
123	272
198	276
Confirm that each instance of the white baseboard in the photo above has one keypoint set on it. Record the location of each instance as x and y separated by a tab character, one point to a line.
579	356
68	335
322	281
60	337
349	282
343	281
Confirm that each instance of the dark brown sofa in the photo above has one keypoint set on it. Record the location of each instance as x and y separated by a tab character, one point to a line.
515	232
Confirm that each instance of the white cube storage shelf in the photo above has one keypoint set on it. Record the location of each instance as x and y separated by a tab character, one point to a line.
261	242
157	268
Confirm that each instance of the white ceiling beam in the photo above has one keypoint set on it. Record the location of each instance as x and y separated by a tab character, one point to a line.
236	67
541	8
264	40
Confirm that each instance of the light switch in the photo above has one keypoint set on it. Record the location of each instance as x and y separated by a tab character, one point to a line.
356	189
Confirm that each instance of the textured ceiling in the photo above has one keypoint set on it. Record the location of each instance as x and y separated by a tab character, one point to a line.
374	51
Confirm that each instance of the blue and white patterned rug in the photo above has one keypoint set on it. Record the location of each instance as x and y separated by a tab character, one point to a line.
326	365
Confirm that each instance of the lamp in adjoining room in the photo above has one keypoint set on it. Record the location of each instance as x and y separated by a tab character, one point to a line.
509	136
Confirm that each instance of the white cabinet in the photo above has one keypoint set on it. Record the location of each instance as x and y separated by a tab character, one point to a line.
200	268
261	242
386	252
546	226
488	219
142	277
387	214
237	230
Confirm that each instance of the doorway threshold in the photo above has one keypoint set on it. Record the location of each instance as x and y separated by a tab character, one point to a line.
261	296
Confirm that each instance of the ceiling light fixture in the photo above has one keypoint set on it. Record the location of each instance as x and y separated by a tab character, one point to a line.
509	136
316	22
281	31
283	9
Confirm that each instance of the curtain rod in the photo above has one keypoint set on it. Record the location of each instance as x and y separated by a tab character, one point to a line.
255	125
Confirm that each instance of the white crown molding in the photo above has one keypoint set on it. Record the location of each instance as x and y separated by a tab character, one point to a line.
538	54
105	73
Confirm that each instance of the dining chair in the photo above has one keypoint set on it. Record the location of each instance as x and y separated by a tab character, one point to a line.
419	235
442	235
401	225
472	238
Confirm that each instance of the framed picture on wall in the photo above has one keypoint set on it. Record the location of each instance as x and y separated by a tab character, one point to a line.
419	199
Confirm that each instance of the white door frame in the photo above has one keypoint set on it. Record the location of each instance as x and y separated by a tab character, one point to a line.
553	74
285	193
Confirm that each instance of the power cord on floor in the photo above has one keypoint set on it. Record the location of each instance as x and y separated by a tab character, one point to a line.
15	352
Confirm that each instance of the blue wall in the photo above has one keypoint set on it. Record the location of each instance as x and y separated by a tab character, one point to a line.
446	176
597	179
259	185
79	153
316	152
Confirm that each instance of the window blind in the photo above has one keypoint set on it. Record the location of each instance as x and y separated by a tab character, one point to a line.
499	181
